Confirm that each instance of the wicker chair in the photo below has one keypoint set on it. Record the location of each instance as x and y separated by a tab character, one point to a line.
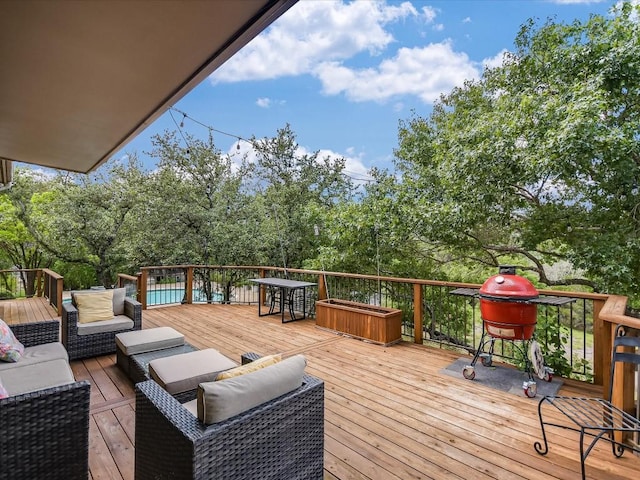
282	439
82	346
45	434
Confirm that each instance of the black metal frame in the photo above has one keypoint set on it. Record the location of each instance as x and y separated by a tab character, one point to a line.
596	417
283	295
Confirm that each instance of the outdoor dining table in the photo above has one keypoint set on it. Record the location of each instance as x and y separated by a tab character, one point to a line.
287	289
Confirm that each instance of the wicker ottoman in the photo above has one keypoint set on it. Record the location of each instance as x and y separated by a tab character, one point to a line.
182	373
143	341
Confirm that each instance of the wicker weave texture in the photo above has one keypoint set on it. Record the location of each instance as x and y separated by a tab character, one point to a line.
45	434
282	439
83	346
35	333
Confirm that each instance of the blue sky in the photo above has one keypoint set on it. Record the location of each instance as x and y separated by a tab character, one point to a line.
343	74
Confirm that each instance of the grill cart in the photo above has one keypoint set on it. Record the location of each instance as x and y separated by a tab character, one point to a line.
509	311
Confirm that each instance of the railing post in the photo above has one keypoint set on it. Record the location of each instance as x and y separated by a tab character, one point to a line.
418	312
142	288
601	347
322	287
39	283
188	284
262	294
59	289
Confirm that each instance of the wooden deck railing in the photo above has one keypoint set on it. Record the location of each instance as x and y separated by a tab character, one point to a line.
32	282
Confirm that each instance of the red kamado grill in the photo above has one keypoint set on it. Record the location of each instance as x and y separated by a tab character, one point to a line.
505	305
509	310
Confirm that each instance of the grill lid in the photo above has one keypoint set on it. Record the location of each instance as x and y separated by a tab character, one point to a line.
508	286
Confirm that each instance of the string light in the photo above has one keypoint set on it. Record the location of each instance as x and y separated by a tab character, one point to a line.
352	175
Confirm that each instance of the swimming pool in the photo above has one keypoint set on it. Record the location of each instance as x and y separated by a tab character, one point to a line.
175	295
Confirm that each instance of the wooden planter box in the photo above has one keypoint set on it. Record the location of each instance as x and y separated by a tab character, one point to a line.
369	322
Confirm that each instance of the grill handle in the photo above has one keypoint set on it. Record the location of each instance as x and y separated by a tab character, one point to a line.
506	298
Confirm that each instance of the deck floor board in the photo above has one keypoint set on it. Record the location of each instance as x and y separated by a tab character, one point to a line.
389	411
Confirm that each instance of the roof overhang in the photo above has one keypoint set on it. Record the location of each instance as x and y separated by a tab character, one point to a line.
82	79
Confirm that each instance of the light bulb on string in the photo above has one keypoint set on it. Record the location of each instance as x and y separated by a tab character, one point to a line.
184	115
238	146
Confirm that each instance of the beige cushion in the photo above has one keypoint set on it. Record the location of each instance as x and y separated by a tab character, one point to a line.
94	306
192	407
115	324
37	354
183	372
119	294
250	367
36	376
218	401
149	340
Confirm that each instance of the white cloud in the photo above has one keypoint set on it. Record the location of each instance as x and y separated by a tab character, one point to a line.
466	20
312	32
425	72
263	102
429	13
495	61
320	38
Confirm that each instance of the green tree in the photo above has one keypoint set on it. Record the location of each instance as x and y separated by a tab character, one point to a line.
83	219
296	189
18	247
539	159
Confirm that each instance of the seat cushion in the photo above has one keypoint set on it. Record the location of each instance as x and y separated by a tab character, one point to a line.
181	373
148	340
218	401
36	376
37	354
121	322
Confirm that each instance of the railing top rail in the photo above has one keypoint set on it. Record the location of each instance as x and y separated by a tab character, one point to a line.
613	312
128	277
418	281
52	274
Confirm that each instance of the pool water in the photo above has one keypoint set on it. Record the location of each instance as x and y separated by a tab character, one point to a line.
173	295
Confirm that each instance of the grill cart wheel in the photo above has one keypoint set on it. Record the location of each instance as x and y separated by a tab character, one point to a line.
486	359
530	389
469	372
537	360
548	374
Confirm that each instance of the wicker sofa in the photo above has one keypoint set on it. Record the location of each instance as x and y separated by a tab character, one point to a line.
45	433
281	439
102	337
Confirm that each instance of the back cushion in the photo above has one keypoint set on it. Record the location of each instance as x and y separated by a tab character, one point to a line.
220	400
94	306
250	367
119	295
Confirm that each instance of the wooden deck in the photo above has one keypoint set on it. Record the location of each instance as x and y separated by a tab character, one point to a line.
389	411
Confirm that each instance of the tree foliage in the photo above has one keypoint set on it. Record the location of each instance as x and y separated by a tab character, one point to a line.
540	158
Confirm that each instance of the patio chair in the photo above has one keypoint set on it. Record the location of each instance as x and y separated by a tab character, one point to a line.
45	433
281	439
596	417
98	338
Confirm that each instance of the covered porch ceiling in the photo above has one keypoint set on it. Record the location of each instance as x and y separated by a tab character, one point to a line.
82	79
